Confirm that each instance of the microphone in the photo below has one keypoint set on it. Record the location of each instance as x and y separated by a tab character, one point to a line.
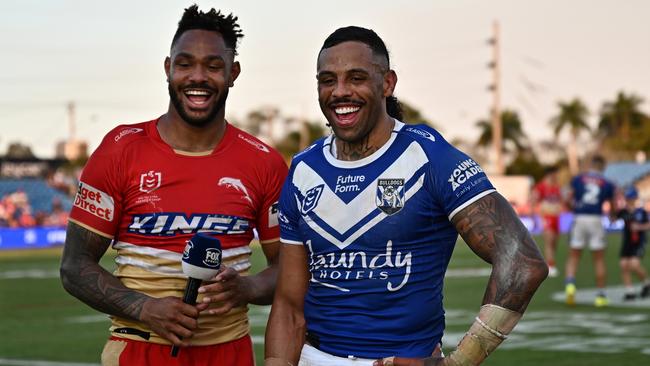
201	261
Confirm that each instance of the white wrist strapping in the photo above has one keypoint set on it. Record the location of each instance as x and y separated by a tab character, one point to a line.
490	328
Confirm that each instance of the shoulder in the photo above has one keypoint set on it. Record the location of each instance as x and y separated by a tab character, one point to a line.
422	134
439	152
117	139
310	152
255	148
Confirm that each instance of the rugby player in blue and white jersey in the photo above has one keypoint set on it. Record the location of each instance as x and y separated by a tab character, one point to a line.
589	191
369	218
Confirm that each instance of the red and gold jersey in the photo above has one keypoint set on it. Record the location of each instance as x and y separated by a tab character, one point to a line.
150	199
549	197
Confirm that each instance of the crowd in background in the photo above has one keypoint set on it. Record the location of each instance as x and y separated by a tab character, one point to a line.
16	211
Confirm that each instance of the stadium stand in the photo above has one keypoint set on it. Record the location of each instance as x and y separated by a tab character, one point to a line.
28	202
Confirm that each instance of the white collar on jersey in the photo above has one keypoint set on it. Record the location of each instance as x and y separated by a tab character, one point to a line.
329	150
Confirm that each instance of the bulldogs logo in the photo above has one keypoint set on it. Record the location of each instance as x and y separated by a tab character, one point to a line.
390	195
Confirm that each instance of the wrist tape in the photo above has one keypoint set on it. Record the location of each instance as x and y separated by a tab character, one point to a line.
490	328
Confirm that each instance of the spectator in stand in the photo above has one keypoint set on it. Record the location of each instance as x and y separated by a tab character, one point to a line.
58	216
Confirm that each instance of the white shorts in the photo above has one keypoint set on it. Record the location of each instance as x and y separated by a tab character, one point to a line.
587	230
311	356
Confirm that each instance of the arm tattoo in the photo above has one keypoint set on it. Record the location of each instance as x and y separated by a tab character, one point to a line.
494	232
356	151
85	279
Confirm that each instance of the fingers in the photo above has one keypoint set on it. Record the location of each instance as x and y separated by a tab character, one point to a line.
226	274
170	318
399	361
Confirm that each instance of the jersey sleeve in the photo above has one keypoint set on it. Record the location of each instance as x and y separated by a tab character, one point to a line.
98	202
289	215
458	180
267	220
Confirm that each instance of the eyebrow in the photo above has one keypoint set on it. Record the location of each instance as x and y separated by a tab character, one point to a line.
210	58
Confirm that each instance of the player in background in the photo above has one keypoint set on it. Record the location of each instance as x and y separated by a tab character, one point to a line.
547	203
636	222
149	187
589	191
369	218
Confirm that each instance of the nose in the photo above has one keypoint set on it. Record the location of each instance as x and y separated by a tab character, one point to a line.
341	89
198	74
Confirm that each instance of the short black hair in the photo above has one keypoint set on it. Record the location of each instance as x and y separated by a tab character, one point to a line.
378	47
359	34
598	161
213	20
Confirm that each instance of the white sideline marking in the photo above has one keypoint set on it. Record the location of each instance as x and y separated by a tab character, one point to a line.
28	273
468	272
97	318
586	296
10	362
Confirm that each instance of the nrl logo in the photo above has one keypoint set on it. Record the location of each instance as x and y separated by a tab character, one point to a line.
311	199
390	195
150	181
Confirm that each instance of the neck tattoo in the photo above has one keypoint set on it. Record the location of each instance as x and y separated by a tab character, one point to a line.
355	151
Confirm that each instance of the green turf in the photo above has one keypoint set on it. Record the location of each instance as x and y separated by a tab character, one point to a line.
40	321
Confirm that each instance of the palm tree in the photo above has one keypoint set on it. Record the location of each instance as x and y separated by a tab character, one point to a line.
620	116
572	116
513	134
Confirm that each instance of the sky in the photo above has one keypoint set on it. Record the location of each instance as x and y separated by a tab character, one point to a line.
107	57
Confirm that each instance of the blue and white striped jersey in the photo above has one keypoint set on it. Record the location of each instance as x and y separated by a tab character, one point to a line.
378	238
590	191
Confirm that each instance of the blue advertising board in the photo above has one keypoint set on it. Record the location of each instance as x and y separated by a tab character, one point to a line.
31	238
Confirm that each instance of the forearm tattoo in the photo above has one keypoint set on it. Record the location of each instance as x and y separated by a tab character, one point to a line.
84	278
494	232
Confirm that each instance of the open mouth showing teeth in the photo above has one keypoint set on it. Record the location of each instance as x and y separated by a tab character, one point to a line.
346	115
198	96
346	109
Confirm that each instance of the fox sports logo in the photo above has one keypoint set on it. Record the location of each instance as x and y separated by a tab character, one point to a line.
212	258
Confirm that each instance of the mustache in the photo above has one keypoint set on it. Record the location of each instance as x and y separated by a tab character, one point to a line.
345	101
204	86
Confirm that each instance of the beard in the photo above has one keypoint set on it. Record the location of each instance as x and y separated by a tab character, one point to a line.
193	121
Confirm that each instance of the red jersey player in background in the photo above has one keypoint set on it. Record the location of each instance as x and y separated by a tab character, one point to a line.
151	186
547	203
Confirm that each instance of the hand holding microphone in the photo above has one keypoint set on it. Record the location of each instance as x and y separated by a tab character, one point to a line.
201	262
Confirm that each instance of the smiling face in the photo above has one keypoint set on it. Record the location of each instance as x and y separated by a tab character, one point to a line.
353	84
200	71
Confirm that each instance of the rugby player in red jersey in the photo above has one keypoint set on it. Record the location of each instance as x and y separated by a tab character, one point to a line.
151	186
547	201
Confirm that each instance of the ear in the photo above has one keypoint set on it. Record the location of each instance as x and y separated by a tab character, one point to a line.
168	64
390	80
234	72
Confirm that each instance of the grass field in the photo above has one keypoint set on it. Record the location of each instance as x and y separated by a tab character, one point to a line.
40	321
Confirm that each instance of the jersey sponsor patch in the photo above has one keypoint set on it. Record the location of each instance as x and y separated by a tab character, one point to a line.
94	201
172	223
463	172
